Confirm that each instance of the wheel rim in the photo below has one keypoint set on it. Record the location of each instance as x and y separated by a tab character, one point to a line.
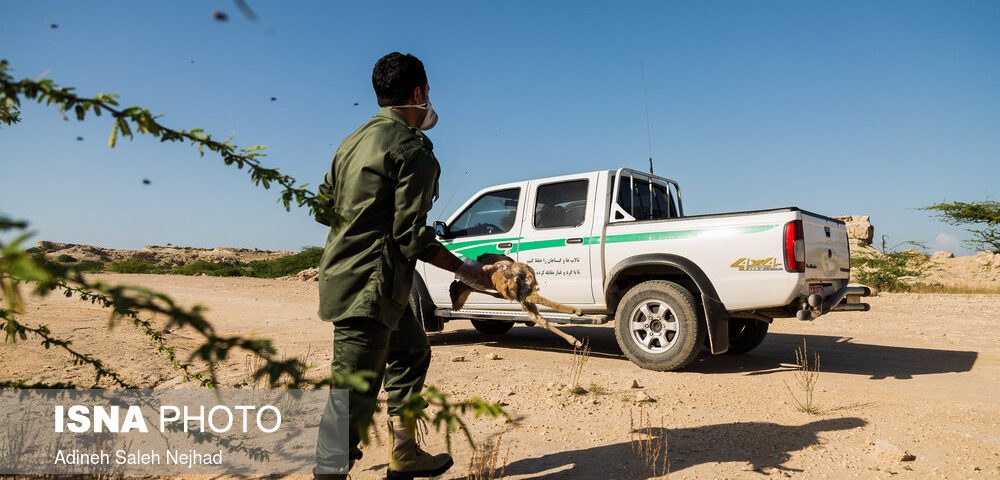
653	326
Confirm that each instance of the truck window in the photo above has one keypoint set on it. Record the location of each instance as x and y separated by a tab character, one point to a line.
560	205
641	203
494	212
624	193
663	206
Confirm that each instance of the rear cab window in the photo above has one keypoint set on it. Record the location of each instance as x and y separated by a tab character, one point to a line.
561	205
643	200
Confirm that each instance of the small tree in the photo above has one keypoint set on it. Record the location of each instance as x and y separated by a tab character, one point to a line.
984	216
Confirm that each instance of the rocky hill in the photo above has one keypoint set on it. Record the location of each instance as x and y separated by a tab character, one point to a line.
975	272
168	255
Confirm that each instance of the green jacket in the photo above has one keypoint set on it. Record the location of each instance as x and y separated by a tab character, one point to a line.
383	182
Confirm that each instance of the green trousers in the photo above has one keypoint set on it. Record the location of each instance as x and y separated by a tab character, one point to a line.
398	358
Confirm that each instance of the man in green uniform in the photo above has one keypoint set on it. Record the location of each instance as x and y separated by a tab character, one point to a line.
377	194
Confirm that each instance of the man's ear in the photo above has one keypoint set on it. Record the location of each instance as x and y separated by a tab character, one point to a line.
417	96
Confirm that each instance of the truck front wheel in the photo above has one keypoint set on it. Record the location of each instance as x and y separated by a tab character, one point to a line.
492	327
657	326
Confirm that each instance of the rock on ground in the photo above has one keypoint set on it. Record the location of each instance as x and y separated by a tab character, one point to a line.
307	275
892	452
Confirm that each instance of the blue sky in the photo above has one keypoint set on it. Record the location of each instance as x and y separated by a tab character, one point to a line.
841	108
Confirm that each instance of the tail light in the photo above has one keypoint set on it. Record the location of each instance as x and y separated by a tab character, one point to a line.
795	248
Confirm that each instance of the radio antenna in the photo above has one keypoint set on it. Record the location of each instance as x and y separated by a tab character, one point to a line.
645	94
450	197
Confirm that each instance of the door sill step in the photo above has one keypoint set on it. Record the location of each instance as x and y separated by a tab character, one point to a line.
520	316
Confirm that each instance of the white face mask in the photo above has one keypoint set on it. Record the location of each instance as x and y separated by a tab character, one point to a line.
430	118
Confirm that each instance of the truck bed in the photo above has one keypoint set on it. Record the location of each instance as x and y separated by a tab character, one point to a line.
741	213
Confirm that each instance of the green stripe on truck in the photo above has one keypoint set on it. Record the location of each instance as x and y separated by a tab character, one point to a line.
475	248
677	234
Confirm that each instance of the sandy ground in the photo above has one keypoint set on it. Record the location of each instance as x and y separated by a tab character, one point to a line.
919	372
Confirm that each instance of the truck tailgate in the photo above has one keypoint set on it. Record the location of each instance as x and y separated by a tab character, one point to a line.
827	251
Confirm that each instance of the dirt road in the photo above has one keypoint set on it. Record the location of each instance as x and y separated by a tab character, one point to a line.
919	373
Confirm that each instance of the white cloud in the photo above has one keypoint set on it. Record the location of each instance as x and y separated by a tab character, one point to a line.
945	241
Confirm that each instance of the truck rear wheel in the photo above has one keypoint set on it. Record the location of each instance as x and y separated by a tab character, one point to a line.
657	326
745	334
492	327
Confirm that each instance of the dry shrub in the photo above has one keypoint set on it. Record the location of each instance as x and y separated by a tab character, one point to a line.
806	375
649	444
484	461
252	364
581	354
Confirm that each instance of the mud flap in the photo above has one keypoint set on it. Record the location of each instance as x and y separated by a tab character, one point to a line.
422	306
717	319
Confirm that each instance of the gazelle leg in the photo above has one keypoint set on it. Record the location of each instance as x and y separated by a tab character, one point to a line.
541	322
460	293
536	298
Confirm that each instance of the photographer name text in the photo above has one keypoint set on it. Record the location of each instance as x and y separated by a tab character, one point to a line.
122	457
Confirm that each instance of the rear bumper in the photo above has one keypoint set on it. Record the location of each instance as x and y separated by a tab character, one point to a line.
846	299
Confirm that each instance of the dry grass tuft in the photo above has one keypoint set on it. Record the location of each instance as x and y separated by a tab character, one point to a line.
806	375
580	356
484	461
253	363
597	389
649	444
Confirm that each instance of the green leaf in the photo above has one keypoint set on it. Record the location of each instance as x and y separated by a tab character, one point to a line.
113	139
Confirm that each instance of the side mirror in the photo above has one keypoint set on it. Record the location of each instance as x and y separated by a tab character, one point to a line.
441	229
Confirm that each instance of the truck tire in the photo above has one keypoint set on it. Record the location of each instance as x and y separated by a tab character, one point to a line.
657	326
492	327
745	334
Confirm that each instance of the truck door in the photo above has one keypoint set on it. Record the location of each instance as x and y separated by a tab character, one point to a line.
490	223
556	237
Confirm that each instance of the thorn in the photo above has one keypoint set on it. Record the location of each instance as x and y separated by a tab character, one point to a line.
246	10
220	16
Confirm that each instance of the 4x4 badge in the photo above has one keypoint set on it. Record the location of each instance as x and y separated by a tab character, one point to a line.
757	265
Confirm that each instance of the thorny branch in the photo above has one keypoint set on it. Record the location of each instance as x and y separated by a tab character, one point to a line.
18	267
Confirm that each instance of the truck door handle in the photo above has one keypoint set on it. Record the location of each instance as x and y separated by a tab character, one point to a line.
570	241
504	245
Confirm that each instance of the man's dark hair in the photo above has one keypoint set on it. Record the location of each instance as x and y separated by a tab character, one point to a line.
395	76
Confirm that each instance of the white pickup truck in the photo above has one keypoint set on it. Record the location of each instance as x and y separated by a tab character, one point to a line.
617	245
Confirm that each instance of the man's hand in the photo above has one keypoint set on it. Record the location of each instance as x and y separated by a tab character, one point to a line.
475	274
